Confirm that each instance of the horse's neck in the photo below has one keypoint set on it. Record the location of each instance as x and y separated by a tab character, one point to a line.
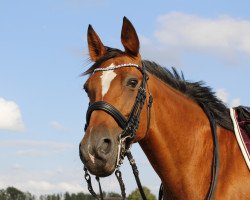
178	142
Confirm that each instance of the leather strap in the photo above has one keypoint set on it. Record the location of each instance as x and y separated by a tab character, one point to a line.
136	174
215	161
108	108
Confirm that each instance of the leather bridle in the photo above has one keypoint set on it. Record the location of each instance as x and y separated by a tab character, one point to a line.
129	126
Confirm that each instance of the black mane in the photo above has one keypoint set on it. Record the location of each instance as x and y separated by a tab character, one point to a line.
197	91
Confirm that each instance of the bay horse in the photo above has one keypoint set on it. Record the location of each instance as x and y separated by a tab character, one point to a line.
177	140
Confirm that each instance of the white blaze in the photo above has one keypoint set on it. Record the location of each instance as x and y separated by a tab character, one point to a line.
106	78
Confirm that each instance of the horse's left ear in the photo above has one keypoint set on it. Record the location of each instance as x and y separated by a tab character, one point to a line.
129	38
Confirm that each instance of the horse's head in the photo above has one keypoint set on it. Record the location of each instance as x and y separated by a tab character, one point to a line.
112	83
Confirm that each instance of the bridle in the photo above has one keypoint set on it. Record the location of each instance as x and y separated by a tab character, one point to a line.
129	126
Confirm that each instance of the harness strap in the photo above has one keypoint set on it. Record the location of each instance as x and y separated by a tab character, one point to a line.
215	162
150	102
136	174
88	180
108	108
118	175
100	187
160	194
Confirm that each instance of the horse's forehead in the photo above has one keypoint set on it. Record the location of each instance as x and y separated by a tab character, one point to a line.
106	79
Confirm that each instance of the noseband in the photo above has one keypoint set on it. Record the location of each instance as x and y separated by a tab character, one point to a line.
129	126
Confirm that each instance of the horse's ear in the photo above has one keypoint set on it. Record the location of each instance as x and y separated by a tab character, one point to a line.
129	38
96	47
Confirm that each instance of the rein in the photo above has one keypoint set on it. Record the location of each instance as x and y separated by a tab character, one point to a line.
215	162
129	127
216	159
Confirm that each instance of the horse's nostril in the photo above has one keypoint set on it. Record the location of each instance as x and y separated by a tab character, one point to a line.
106	140
104	147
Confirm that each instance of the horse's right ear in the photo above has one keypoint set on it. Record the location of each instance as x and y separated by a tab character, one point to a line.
96	47
129	38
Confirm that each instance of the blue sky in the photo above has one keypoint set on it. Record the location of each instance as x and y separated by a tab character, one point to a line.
43	50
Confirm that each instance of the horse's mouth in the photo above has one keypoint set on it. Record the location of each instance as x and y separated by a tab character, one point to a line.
99	167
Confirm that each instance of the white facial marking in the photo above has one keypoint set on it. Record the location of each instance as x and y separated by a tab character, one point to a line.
92	158
106	78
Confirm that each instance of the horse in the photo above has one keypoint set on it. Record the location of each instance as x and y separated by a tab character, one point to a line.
173	131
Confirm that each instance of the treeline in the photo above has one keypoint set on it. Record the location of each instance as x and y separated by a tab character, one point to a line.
12	193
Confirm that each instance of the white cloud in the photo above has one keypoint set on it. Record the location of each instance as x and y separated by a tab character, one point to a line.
17	167
34	148
32	153
222	95
193	32
10	116
50	187
39	187
57	126
2	185
235	102
152	50
46	182
225	38
35	143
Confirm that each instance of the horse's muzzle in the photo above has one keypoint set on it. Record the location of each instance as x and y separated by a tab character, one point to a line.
99	154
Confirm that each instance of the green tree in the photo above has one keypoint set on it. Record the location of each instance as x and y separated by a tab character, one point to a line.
29	196
14	194
80	196
2	195
136	195
67	196
51	197
113	194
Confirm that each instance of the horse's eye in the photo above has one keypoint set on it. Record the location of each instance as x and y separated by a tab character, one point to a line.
132	82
